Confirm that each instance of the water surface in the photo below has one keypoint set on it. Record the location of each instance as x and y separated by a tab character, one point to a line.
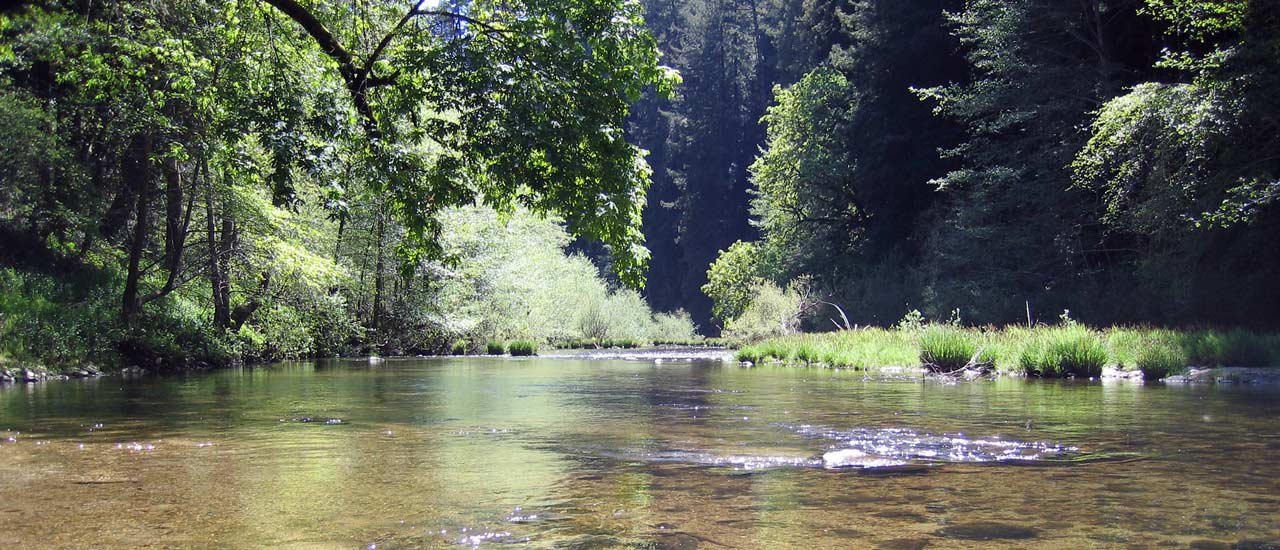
591	454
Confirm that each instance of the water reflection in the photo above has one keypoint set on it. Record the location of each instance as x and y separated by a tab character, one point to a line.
573	453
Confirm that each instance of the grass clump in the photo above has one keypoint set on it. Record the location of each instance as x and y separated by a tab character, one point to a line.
495	348
523	348
459	348
946	349
1064	351
1158	360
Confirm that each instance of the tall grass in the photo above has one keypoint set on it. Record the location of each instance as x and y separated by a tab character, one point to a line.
495	348
861	349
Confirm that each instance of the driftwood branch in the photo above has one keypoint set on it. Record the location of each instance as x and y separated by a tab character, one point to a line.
843	317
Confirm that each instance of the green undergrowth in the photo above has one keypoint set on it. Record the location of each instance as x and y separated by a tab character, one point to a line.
1067	350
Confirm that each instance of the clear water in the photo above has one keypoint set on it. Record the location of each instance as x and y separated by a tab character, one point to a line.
590	454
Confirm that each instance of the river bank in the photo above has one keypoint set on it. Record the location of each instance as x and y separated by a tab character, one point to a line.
1066	350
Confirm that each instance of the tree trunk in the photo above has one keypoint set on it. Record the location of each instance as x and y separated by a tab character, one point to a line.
177	222
245	311
217	276
135	169
379	283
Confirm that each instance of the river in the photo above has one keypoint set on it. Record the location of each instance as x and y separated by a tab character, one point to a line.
636	454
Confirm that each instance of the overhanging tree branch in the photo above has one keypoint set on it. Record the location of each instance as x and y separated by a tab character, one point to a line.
359	78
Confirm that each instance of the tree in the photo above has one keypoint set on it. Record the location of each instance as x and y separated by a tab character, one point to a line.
843	185
525	105
1012	228
1188	170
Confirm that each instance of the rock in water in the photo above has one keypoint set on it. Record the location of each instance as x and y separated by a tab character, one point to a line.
29	376
853	458
987	530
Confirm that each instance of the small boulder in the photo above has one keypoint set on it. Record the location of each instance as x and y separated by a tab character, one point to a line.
29	376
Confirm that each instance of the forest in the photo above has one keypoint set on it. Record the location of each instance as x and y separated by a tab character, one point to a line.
1000	160
211	181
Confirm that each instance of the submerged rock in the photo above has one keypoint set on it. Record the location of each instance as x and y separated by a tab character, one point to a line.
676	541
903	544
1206	544
1257	545
988	530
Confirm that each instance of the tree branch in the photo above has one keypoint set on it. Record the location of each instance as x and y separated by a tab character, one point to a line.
488	27
386	41
322	36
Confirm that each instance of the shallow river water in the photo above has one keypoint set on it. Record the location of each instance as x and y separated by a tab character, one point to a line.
594	454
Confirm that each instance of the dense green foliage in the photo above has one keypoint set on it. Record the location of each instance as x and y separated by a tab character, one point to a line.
210	180
1118	157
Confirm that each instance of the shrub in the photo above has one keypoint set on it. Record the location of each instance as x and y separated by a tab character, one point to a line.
945	348
733	274
495	348
459	347
773	312
675	327
523	348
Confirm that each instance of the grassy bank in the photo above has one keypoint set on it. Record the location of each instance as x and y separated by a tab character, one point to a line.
1047	351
